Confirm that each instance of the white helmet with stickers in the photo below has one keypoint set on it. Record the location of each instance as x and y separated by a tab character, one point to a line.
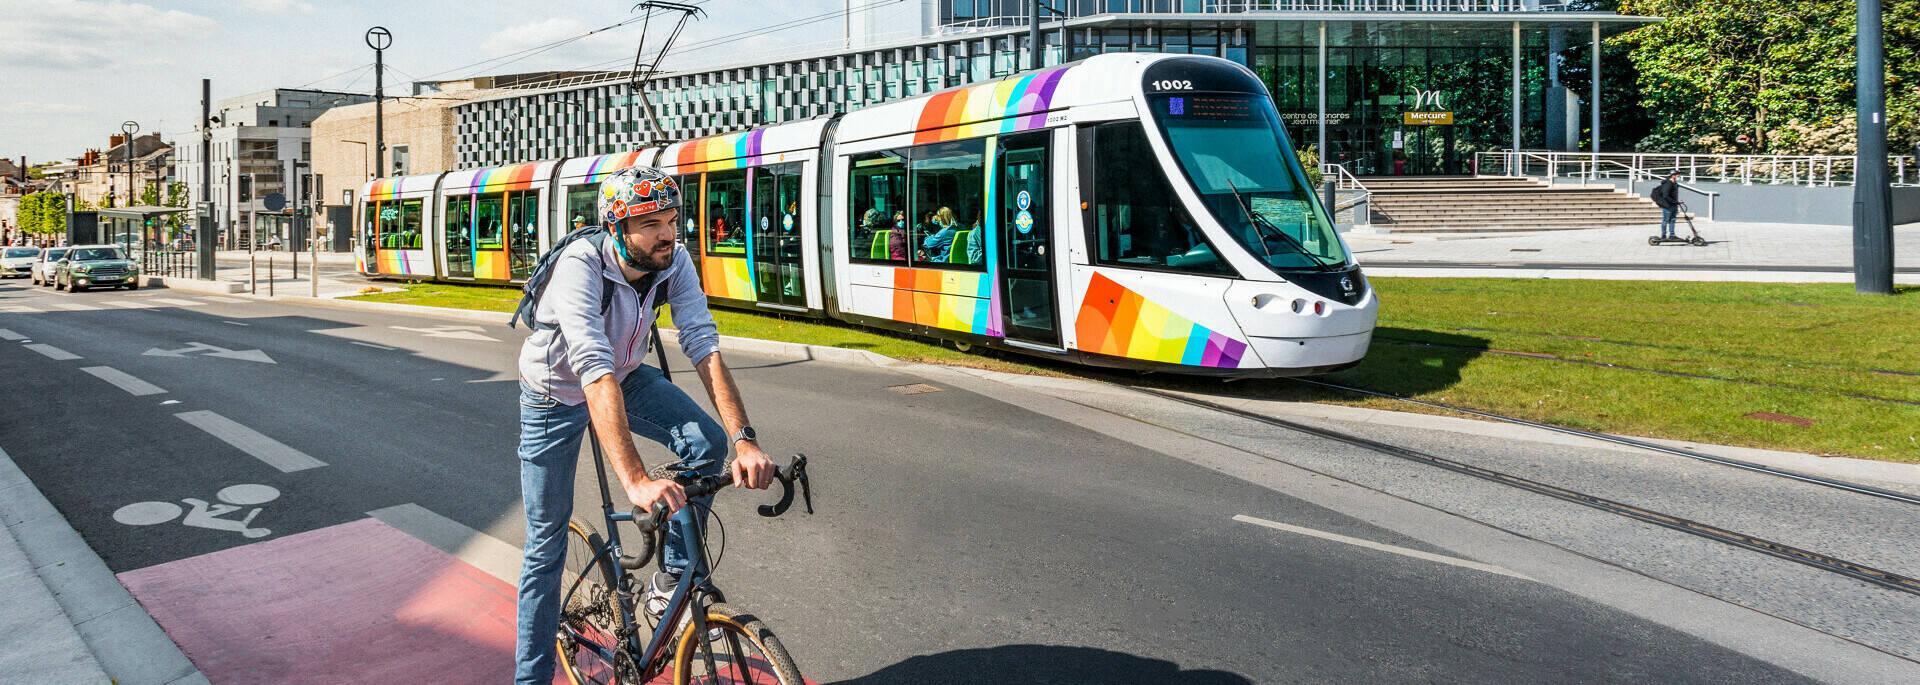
634	191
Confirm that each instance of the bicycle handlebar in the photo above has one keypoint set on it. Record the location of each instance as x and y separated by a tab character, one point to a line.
649	522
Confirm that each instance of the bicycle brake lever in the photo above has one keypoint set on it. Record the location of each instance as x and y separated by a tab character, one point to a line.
797	470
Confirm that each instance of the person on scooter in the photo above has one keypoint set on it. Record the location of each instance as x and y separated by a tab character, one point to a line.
1667	197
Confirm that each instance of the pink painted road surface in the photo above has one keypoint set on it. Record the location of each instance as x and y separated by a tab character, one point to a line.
359	602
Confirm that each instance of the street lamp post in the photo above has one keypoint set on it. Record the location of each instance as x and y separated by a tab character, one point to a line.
379	39
129	127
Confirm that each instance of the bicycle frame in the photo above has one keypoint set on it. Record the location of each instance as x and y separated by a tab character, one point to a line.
691	579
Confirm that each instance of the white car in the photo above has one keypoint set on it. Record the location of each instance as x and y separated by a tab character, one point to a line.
17	261
43	267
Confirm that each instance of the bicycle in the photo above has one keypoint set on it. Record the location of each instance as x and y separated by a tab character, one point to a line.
599	637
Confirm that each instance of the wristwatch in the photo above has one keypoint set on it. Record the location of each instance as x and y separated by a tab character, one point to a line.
745	433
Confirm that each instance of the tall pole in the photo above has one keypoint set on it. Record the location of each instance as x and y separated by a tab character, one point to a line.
129	128
1872	202
1034	58
206	140
1593	108
1516	94
378	38
1321	89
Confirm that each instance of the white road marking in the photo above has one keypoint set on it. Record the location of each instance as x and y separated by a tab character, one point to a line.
275	453
125	381
10	335
221	300
1390	549
52	352
483	551
132	305
19	309
455	331
169	402
211	351
177	303
72	306
377	347
234	323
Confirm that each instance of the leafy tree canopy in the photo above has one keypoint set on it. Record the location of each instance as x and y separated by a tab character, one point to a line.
1781	73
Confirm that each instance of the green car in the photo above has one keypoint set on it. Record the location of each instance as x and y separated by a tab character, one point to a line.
88	266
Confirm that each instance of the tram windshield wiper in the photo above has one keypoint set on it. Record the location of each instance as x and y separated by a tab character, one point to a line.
1266	228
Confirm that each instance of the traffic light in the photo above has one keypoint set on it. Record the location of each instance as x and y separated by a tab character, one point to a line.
149	222
246	188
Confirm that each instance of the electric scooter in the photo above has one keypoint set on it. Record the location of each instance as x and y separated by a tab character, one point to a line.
1695	241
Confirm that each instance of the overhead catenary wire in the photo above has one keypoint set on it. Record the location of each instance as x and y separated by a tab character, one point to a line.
722	40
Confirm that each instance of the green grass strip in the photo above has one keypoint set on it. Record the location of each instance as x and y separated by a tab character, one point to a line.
1688	361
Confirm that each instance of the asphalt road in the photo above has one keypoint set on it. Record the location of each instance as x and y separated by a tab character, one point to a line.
960	538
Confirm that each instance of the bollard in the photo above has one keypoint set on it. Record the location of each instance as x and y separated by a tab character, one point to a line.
1327	190
314	275
253	274
269	274
296	263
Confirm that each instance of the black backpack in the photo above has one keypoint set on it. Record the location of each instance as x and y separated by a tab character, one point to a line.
543	272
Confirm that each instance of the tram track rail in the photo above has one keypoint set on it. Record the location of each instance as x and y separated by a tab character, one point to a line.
1818	560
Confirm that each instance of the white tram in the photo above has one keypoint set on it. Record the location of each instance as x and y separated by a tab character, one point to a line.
1128	210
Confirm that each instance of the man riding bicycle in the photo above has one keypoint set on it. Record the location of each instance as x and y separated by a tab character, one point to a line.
583	363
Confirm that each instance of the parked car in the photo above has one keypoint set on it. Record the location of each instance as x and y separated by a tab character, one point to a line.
17	261
43	267
89	266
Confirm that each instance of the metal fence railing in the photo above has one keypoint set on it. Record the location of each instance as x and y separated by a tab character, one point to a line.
168	262
1343	180
1801	170
1559	165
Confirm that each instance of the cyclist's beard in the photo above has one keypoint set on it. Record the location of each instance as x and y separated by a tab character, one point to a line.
652	256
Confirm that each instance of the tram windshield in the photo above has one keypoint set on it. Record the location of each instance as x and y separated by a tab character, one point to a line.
1232	149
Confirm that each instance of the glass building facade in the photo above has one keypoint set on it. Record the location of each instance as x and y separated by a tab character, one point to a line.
1411	87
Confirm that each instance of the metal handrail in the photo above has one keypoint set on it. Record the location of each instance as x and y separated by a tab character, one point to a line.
1345	180
1590	169
1806	170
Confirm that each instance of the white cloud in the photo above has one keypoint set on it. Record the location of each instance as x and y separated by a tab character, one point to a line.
273	6
67	35
32	108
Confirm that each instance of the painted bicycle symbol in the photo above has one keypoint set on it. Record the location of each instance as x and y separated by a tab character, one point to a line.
204	514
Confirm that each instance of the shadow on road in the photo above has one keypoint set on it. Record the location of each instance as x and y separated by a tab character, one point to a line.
1038	664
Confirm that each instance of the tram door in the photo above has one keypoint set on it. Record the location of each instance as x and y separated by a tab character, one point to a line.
1026	240
369	237
776	235
457	239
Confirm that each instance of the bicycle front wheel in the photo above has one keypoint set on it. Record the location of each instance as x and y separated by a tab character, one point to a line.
745	653
592	611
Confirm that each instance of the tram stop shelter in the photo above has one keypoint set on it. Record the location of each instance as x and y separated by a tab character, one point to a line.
142	231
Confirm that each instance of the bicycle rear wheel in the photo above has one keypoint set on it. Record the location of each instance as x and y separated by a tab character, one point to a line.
592	611
746	653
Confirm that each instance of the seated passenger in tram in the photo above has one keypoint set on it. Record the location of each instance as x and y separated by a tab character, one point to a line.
940	243
897	237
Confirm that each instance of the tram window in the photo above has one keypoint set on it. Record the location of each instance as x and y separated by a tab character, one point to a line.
486	221
726	202
410	225
879	208
522	221
949	196
459	235
582	206
368	237
689	212
1137	221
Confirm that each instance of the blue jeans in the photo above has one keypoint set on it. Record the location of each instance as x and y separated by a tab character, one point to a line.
1666	221
549	449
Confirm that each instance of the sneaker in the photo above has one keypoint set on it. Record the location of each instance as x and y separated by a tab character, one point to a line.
660	591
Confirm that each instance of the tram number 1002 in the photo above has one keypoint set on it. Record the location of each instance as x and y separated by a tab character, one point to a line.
1173	85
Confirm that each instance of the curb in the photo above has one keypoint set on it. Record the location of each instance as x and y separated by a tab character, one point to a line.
1833	467
128	646
195	285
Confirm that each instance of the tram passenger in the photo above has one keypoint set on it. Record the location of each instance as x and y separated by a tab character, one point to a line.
897	238
940	243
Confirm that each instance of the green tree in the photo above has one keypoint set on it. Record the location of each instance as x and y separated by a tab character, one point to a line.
43	213
1781	73
176	197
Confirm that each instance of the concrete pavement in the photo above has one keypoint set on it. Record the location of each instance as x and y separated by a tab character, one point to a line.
988	530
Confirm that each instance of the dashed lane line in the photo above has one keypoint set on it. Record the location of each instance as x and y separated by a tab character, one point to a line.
234	323
275	453
132	305
485	552
1390	549
72	306
52	352
123	380
222	300
6	334
177	302
377	347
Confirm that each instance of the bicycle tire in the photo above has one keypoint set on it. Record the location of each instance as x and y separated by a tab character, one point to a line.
593	609
736	625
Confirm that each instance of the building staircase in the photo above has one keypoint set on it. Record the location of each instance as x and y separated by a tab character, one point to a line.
1465	204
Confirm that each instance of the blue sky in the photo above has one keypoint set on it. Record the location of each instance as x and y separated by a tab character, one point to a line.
72	70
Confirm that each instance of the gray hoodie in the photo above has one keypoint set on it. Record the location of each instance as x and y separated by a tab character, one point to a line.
574	343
